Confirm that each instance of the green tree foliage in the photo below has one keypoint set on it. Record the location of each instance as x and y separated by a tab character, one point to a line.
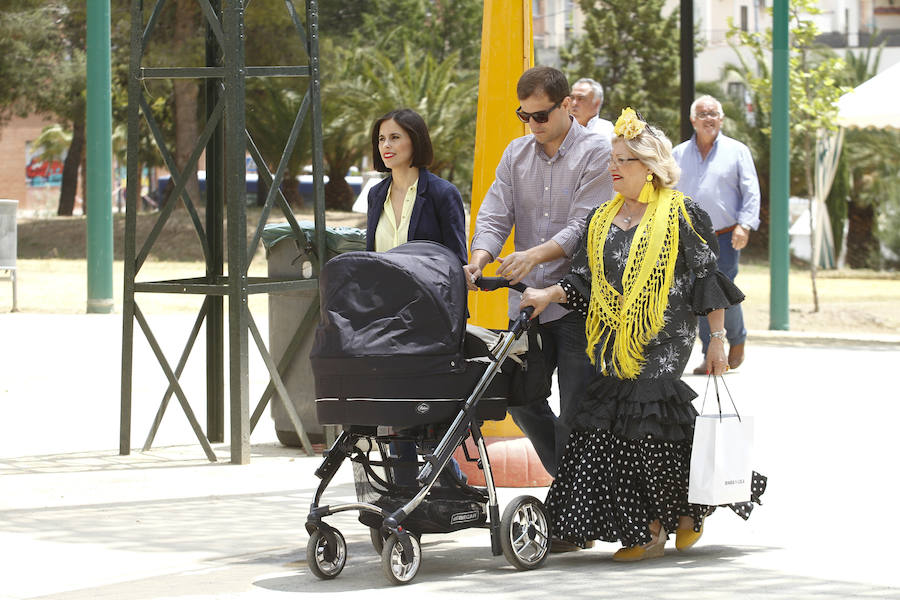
444	95
814	88
632	49
344	129
271	111
874	168
837	199
436	27
419	54
42	51
871	200
813	91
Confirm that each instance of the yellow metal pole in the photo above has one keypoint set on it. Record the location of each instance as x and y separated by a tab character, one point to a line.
507	51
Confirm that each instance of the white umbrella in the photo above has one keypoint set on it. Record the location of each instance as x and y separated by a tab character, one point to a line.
873	103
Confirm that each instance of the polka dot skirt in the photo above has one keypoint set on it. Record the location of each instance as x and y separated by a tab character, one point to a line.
610	488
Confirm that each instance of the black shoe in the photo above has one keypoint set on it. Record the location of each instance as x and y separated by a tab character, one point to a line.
558	546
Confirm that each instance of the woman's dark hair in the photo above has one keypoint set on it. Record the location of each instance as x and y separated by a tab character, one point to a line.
414	126
548	80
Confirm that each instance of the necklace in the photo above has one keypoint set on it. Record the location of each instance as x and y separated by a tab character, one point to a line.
627	220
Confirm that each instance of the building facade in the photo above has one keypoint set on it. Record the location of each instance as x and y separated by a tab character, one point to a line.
846	25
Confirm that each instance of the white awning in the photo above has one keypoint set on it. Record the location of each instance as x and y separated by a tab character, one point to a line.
875	103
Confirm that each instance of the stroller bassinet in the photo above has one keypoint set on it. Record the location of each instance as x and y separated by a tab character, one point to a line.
389	349
389	358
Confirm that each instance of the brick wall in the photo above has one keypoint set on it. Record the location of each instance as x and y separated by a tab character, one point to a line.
13	137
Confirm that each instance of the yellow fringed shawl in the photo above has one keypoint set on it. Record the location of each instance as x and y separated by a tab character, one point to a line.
636	315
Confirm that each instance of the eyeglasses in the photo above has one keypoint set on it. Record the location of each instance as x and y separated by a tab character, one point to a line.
541	116
708	115
620	162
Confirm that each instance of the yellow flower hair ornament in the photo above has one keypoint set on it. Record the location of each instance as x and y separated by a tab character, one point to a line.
628	125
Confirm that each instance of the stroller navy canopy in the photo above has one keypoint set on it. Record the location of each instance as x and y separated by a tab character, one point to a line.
391	334
401	311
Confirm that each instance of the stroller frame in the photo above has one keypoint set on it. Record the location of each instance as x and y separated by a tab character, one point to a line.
522	535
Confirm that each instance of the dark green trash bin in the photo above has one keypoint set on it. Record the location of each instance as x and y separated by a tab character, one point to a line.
288	256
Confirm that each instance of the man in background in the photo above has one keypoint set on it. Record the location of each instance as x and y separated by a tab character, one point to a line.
718	173
587	100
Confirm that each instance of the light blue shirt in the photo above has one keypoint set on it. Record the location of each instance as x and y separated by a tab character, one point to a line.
724	185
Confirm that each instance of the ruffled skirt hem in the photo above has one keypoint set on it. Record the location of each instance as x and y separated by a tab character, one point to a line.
611	488
636	409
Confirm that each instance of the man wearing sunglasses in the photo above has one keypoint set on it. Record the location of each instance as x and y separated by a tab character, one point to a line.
545	185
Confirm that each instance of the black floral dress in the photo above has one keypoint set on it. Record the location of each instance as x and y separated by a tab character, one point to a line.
628	458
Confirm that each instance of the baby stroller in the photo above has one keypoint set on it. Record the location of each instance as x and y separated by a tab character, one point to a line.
391	366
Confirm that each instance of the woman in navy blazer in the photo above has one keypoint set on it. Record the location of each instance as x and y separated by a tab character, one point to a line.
402	147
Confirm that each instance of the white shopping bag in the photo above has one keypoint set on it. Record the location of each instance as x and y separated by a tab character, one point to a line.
721	458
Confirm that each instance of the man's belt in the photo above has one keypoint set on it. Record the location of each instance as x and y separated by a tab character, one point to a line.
726	230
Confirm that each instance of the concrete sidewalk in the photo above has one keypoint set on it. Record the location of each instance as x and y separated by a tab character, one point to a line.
79	521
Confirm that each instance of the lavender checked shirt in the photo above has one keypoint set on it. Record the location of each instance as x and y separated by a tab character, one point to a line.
546	198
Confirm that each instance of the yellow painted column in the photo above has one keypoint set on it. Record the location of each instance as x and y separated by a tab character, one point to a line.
507	51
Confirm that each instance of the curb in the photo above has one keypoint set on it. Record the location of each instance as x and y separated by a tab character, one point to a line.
789	338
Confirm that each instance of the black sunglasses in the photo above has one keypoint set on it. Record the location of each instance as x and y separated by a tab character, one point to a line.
541	116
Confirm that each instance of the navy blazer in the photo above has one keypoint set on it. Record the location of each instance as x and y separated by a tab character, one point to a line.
437	215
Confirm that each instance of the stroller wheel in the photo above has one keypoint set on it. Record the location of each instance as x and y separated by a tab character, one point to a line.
397	567
377	540
326	560
525	533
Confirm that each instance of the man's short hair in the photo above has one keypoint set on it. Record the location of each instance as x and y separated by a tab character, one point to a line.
706	98
547	80
596	88
414	125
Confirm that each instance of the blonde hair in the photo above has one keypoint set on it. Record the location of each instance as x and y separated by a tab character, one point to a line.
654	150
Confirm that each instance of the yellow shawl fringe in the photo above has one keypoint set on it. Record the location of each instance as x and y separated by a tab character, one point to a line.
637	315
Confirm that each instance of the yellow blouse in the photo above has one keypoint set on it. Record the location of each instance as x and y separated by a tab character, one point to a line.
389	234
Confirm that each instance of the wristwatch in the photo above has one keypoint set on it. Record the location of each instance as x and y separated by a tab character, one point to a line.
718	334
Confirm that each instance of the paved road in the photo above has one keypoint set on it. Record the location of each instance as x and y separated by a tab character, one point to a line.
79	521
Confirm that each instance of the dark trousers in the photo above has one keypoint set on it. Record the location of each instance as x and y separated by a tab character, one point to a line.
563	345
735	332
405	472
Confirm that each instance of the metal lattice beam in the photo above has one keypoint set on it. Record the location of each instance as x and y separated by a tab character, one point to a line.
225	141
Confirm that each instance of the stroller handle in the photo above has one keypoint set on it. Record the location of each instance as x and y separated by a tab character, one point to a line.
489	284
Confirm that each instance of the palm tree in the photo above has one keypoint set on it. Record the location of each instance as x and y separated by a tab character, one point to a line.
56	143
53	142
271	112
344	130
443	94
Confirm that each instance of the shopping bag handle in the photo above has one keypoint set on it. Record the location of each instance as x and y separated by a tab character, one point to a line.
715	381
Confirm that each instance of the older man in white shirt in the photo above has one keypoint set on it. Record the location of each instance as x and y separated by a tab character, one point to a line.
587	99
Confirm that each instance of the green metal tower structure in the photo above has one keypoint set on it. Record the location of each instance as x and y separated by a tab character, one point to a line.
226	141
